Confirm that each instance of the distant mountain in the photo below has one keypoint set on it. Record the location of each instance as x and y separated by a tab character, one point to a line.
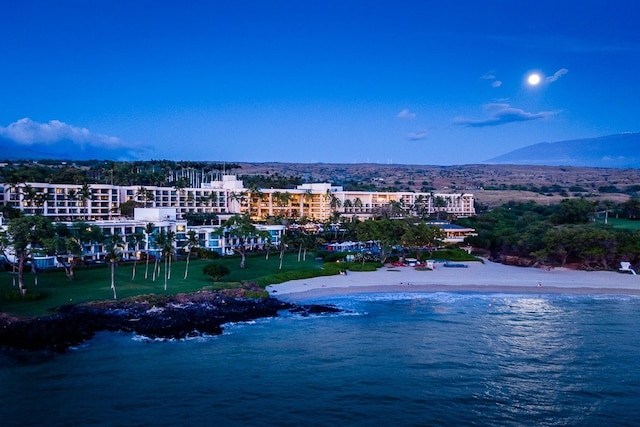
613	151
61	150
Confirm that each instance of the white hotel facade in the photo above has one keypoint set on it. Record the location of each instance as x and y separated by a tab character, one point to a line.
318	201
166	207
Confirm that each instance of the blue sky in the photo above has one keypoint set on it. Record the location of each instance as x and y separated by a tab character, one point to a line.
412	82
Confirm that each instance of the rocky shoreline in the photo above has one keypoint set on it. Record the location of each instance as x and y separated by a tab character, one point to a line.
178	317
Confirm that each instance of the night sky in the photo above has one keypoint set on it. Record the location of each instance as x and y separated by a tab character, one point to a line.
411	82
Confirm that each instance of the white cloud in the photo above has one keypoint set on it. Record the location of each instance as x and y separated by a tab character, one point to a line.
56	138
561	72
417	136
493	78
406	115
28	132
500	114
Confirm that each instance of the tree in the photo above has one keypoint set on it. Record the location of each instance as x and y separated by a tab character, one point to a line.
335	203
420	235
26	235
240	197
169	250
85	193
87	233
357	203
134	240
192	242
148	230
66	246
285	239
165	241
574	211
439	203
113	246
216	270
240	228
147	196
385	231
631	208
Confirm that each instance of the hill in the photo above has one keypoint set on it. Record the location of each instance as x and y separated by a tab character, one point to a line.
612	151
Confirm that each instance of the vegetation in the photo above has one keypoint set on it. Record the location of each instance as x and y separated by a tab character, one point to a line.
93	282
216	270
560	234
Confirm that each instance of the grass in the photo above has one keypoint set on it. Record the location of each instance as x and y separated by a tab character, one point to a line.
622	223
94	284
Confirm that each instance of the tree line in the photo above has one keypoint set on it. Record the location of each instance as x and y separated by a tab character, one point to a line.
558	235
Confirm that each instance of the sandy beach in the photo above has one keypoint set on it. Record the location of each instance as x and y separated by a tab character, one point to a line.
487	277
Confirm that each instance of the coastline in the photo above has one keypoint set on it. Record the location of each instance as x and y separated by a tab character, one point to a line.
487	277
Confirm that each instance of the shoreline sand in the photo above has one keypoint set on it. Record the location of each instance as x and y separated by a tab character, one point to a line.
489	277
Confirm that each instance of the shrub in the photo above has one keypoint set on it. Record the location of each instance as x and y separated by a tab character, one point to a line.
256	294
205	253
453	255
216	270
14	295
335	256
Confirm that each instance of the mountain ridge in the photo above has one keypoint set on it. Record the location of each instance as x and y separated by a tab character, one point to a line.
612	151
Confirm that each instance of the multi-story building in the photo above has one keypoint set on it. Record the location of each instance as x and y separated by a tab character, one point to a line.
317	201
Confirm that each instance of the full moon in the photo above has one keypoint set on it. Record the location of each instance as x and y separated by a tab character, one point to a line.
534	79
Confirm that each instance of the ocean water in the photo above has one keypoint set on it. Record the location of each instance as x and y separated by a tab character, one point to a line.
390	359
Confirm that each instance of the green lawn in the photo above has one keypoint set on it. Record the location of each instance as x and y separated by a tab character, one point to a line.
622	223
94	284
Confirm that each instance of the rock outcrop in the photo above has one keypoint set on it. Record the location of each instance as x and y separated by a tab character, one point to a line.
152	316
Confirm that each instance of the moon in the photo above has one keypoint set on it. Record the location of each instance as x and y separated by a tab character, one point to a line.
533	79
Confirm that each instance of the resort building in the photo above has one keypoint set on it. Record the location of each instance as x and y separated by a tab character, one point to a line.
225	197
454	233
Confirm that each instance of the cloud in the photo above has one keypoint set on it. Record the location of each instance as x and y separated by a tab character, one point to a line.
406	115
501	114
56	138
561	72
417	136
492	77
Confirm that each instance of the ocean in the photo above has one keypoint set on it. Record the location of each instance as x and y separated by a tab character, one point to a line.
431	359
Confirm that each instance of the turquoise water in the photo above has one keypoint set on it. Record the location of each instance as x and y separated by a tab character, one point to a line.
393	359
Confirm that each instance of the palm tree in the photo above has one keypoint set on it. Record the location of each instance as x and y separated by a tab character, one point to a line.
267	244
114	251
148	230
358	204
168	250
28	194
40	199
147	195
192	242
307	197
72	196
161	241
239	197
255	195
418	205
285	239
135	239
240	227
439	202
335	203
85	194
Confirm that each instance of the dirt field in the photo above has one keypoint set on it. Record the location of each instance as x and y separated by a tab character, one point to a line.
491	184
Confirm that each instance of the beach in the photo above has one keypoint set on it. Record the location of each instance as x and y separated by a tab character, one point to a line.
487	277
